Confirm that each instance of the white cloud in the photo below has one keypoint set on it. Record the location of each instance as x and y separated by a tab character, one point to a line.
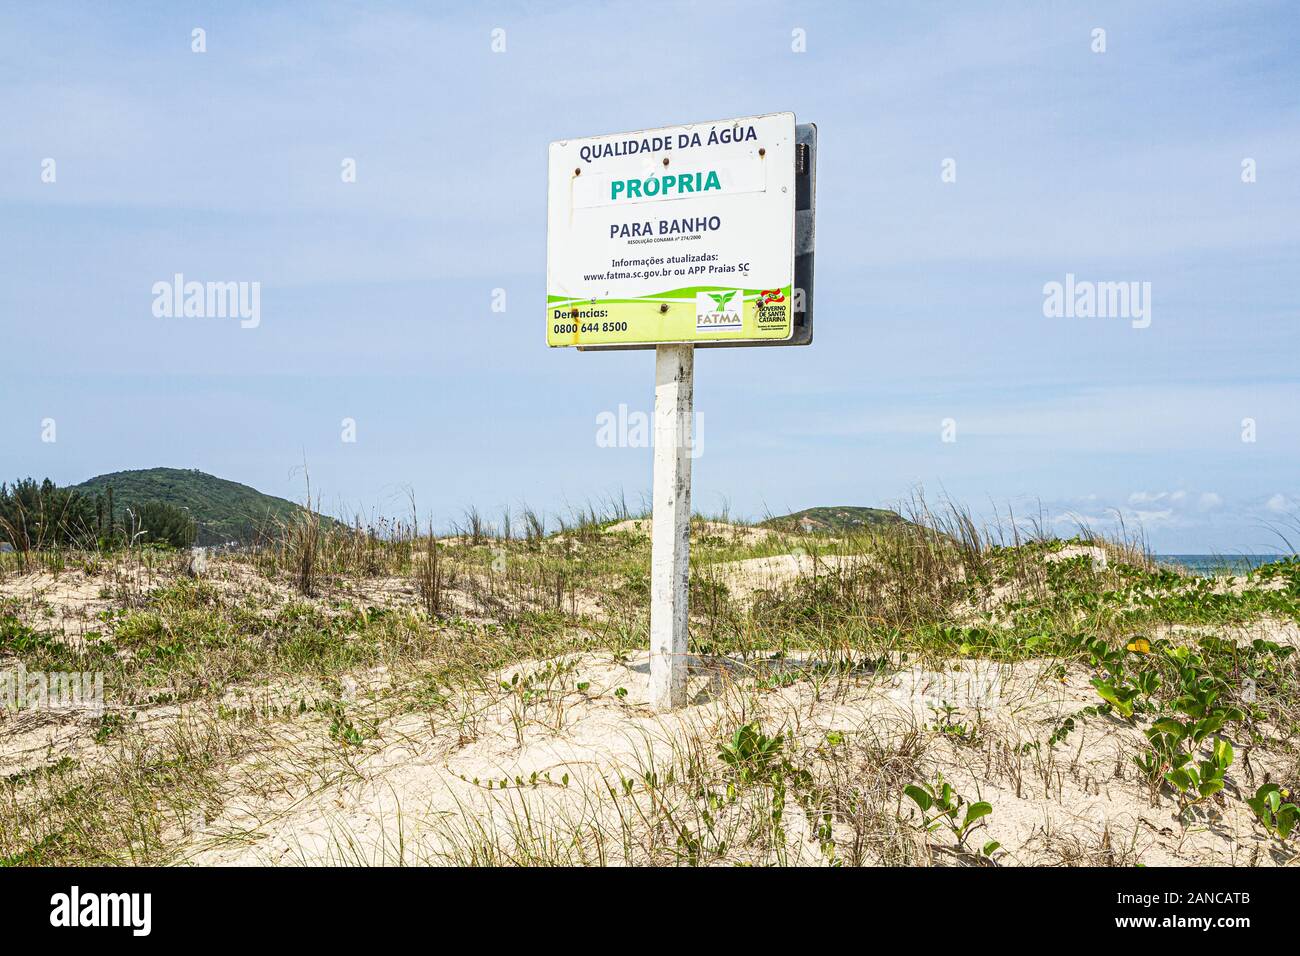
1151	497
1148	519
1146	510
1147	497
1279	503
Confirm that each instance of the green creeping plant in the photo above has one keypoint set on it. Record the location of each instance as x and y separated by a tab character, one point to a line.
750	751
1123	698
18	637
1196	781
1125	695
1274	815
110	725
946	724
941	805
341	727
1174	743
756	757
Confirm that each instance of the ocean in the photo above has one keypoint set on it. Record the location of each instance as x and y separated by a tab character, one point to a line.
1209	565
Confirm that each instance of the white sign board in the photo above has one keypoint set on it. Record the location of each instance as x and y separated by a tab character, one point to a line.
677	235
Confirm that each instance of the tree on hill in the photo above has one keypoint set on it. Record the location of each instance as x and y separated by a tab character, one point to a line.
180	507
37	516
157	522
223	510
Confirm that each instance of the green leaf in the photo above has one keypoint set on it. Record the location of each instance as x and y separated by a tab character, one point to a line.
919	796
1210	787
975	811
1210	725
1286	823
1113	697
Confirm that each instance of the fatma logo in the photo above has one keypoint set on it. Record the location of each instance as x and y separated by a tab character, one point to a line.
718	311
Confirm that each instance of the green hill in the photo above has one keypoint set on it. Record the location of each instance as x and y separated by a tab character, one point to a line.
224	510
835	520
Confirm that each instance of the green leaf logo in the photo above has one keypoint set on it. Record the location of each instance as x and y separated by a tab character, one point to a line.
722	298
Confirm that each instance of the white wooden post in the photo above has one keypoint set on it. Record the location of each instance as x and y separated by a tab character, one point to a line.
670	534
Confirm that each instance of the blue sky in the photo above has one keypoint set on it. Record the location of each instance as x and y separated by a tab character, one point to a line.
376	295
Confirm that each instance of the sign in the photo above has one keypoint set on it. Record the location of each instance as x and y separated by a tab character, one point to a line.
675	239
680	235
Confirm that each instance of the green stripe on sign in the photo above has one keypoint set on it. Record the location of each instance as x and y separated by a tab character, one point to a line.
672	295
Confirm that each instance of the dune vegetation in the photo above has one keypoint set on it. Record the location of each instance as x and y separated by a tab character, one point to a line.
923	692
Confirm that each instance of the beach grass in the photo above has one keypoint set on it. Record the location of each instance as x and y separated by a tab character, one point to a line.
278	673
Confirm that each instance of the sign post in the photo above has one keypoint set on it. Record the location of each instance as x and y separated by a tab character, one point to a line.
670	527
673	239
